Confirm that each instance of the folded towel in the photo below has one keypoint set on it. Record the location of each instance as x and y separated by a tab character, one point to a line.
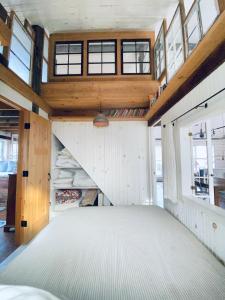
63	180
81	178
66	174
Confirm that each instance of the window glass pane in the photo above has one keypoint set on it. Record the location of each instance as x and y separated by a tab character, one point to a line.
129	57
45	49
143	68
19	68
143	57
108	47
61	70
94	69
174	42
95	47
1	49
75	58
129	47
44	71
108	68
95	57
22	36
61	59
193	31
142	46
129	68
159	50
75	69
187	5
209	12
108	57
75	48
20	51
61	48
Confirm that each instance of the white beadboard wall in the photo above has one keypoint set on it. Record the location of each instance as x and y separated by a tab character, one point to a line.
116	157
207	222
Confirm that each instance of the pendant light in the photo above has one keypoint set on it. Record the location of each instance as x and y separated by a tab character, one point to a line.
100	120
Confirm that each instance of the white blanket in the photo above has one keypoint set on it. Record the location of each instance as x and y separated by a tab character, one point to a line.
13	292
81	178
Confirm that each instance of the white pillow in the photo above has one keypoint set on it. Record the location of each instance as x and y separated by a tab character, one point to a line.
13	292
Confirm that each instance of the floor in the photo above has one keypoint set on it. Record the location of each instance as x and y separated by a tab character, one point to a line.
122	253
7	244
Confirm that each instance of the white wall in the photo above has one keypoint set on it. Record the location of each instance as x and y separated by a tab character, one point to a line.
116	157
206	221
11	94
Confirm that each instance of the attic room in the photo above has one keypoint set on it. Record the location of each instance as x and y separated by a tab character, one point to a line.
112	149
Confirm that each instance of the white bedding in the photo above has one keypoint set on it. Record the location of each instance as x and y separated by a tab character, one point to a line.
118	253
11	292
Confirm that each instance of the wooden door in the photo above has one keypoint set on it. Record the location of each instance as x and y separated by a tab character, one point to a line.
33	185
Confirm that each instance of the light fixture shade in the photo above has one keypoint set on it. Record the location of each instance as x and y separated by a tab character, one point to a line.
100	121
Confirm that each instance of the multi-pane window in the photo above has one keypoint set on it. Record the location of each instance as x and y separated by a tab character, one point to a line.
159	51
68	58
192	29
187	5
45	59
174	45
209	11
135	57
199	20
21	51
102	57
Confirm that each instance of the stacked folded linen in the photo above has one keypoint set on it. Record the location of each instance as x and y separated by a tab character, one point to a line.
63	182
66	160
82	179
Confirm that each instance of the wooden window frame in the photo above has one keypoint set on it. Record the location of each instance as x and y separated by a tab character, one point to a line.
101	63
135	63
13	16
68	64
163	33
178	9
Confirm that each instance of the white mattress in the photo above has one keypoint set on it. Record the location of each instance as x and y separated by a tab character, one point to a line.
120	253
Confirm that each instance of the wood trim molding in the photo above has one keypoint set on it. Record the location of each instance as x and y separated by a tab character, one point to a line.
5	33
212	40
90	119
12	80
221	4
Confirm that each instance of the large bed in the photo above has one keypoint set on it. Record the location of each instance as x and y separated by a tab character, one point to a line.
126	253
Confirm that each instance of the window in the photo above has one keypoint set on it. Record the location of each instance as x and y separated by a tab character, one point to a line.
45	59
187	5
101	57
68	58
135	57
199	20
174	45
21	51
209	11
159	51
192	29
1	49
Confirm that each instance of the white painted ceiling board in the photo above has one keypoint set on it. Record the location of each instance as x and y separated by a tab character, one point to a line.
76	15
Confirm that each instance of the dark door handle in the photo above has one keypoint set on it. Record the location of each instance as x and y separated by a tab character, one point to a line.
49	176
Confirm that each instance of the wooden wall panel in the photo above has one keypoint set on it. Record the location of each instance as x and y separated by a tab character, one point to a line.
89	94
5	33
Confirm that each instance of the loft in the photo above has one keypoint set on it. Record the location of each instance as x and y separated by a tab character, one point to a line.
112	149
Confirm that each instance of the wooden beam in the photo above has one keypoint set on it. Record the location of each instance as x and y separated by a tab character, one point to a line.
221	5
93	94
208	45
5	33
12	80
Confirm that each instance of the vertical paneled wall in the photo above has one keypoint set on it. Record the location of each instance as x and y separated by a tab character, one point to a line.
207	222
116	157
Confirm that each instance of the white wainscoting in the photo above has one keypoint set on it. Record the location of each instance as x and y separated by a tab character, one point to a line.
206	224
116	157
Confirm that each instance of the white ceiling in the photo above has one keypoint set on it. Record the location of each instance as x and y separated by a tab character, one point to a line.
82	15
